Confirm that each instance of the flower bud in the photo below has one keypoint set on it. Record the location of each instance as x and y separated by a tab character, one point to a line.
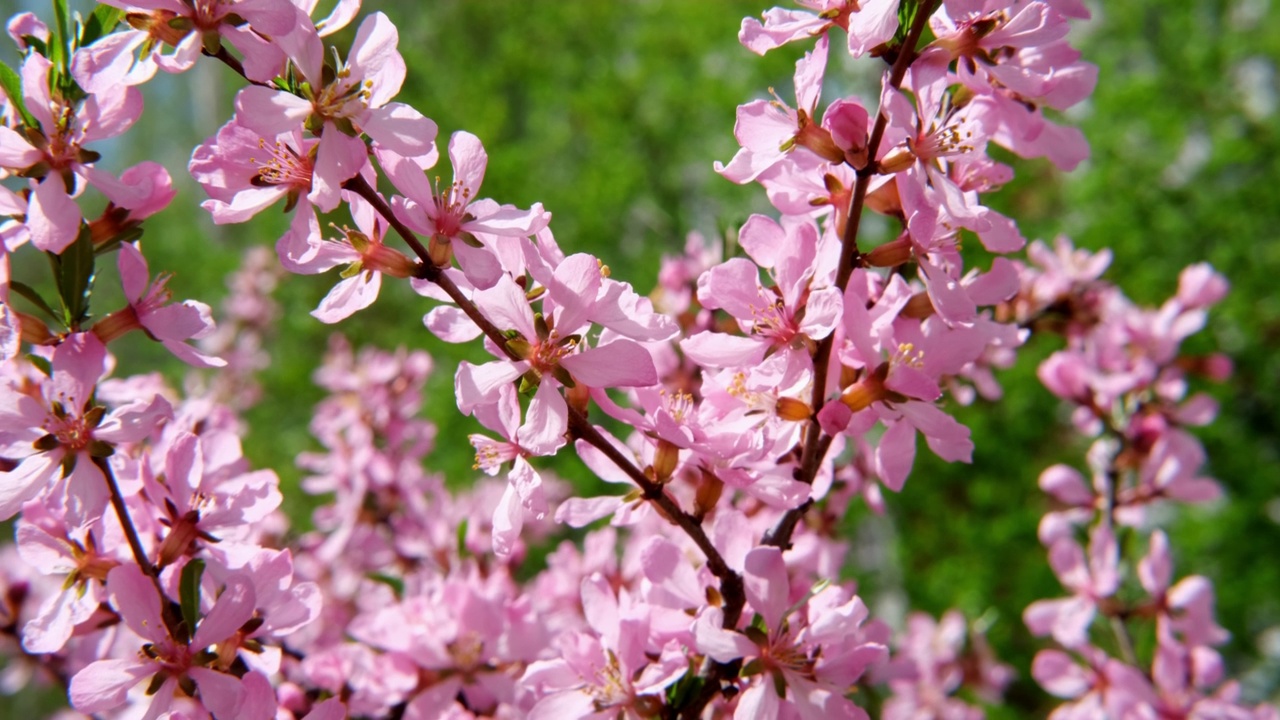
380	258
33	329
897	160
709	489
867	391
578	396
818	141
117	324
891	254
665	460
918	307
793	409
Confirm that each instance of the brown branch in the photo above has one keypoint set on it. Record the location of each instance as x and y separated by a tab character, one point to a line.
122	513
167	607
579	426
816	443
427	269
236	66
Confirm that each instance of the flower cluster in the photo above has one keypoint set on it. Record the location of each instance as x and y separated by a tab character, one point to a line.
760	393
1124	376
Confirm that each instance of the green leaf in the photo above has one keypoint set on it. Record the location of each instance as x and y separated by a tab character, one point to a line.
688	685
189	593
30	294
12	84
103	20
73	270
60	51
124	236
42	364
463	552
396	584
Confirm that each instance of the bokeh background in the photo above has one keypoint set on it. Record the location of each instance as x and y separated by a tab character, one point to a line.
611	113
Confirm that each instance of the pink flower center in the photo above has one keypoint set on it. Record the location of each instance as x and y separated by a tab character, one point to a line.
175	658
678	405
782	653
343	98
451	208
545	355
283	166
490	454
62	148
949	140
610	689
72	432
772	321
207	15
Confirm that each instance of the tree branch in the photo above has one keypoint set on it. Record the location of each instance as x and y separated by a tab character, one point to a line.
816	444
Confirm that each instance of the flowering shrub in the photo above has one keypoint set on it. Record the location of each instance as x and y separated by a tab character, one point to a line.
742	407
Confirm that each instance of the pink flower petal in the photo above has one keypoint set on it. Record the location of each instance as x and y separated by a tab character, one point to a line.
349	296
621	363
766	584
1059	674
234	608
53	218
102	685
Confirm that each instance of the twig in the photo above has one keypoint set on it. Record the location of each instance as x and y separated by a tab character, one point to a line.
815	443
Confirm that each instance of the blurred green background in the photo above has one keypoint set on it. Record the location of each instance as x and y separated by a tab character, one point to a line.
611	113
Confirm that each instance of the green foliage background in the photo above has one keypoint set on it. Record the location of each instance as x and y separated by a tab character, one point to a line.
611	113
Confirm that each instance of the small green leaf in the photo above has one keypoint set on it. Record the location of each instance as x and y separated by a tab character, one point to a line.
396	584
189	592
60	51
42	364
12	84
127	235
30	294
463	552
101	22
757	636
688	685
779	683
470	240
74	272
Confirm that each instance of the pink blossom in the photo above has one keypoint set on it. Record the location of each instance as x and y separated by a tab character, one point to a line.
206	504
458	212
800	308
183	665
362	250
59	155
189	28
897	382
1091	580
26	25
542	434
55	431
46	543
769	130
1185	611
607	672
149	310
931	666
244	172
869	23
549	352
356	101
815	654
1103	687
